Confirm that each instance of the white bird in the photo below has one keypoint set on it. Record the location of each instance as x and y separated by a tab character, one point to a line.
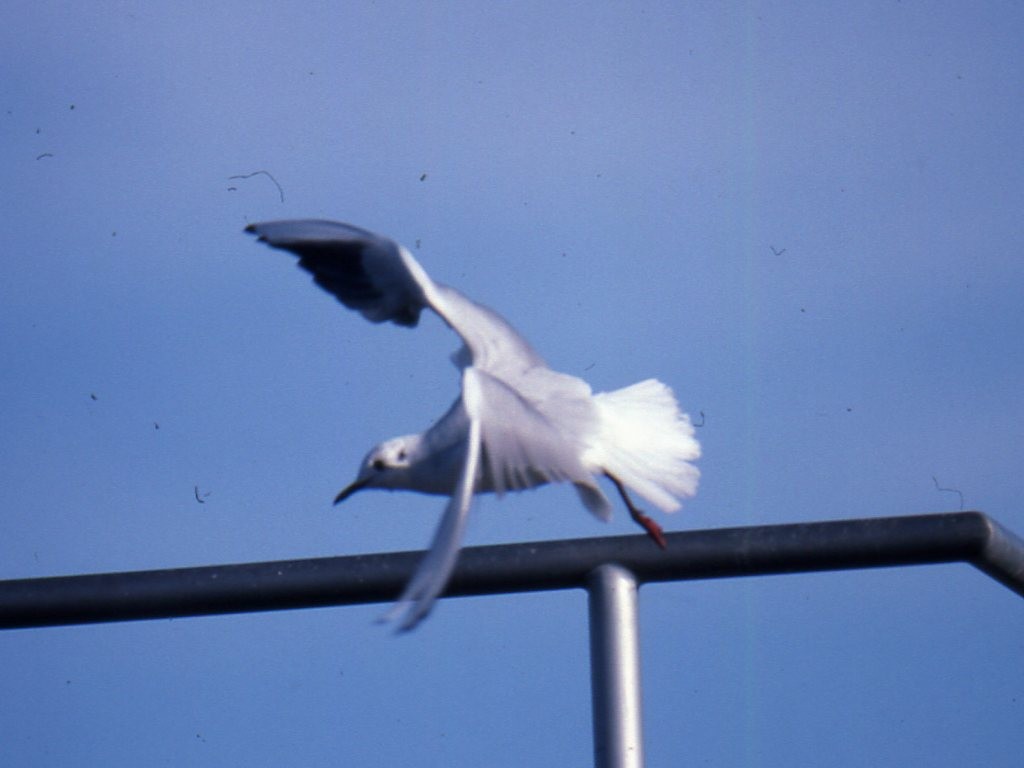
517	424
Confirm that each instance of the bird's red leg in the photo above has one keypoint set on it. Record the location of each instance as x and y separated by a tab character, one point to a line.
652	528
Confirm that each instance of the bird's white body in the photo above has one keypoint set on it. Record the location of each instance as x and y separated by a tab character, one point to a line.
517	423
625	433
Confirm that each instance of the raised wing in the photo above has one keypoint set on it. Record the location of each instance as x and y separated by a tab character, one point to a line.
380	279
364	271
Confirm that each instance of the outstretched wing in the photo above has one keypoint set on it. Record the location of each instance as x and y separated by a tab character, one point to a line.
432	574
380	279
364	271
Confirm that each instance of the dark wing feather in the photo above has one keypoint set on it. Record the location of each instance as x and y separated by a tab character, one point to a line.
377	277
364	271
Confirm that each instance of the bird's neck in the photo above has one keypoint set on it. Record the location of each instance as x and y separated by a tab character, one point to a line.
434	468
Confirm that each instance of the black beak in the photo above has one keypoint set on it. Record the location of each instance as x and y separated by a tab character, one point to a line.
345	493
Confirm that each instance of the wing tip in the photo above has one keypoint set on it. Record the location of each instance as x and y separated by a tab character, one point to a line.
253	229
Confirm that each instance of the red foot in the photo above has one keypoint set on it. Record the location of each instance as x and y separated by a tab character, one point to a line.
652	528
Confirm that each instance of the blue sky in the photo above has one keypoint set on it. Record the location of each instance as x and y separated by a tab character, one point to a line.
805	218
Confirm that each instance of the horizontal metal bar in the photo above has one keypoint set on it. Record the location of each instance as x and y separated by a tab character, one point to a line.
970	537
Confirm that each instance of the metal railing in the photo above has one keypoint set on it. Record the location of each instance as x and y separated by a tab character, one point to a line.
610	569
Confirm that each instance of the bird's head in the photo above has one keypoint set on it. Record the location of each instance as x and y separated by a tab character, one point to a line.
386	466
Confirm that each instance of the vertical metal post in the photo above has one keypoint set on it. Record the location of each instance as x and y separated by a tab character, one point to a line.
615	668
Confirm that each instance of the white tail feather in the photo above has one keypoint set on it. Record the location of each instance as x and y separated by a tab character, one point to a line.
647	443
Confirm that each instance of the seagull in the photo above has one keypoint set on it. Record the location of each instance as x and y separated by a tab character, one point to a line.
516	424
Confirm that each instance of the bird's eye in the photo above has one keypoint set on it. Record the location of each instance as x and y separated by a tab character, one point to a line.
378	464
401	455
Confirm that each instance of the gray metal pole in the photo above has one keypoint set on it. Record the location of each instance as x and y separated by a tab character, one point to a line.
881	542
615	668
